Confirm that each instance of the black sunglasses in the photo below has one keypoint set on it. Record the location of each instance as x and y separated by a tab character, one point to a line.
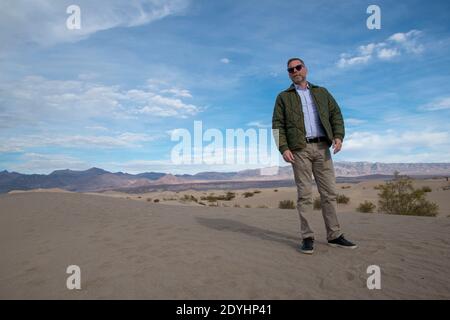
297	67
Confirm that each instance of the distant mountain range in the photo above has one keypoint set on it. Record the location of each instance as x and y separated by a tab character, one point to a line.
96	179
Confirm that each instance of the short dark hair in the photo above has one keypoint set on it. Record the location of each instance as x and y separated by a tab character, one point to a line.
293	59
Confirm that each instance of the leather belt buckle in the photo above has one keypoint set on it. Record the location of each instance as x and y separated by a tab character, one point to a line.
315	140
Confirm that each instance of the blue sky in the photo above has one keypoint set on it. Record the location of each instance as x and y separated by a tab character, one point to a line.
110	94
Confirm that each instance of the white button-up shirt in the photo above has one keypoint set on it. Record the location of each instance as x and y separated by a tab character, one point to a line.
313	126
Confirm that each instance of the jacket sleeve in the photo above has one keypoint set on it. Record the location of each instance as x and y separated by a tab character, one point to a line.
279	125
336	119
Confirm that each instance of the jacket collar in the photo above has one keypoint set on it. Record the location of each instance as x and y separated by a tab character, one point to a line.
309	86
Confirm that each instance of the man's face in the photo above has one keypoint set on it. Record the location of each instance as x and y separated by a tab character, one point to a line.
297	76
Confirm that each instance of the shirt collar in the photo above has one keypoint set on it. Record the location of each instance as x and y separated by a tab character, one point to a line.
299	88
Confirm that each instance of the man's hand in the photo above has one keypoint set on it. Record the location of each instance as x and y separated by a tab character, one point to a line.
288	156
337	145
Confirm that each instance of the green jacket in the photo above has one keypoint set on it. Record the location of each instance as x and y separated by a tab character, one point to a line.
288	117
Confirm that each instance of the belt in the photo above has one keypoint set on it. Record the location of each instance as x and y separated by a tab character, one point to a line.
316	139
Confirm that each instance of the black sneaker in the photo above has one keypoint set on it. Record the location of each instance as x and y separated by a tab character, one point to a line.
341	242
307	246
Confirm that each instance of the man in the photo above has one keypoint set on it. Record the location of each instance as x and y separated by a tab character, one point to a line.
309	121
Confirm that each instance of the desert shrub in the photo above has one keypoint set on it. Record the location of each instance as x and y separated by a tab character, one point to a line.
317	205
377	187
212	198
230	196
426	189
342	199
189	197
248	206
149	199
139	197
209	198
257	191
366	206
345	187
156	200
248	194
275	190
262	206
399	197
236	205
286	204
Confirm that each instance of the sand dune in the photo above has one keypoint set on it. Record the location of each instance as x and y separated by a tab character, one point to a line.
268	198
141	250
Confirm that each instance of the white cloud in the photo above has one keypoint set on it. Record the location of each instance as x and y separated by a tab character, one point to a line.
408	41
225	60
386	54
35	99
442	103
99	128
394	46
178	92
400	140
123	140
397	146
353	121
367	49
344	62
44	22
258	124
46	163
139	166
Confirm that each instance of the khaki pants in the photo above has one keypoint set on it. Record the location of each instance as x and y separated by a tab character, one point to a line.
316	159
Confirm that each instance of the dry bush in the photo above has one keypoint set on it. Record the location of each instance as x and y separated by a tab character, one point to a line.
399	197
286	204
366	206
189	197
342	199
212	198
